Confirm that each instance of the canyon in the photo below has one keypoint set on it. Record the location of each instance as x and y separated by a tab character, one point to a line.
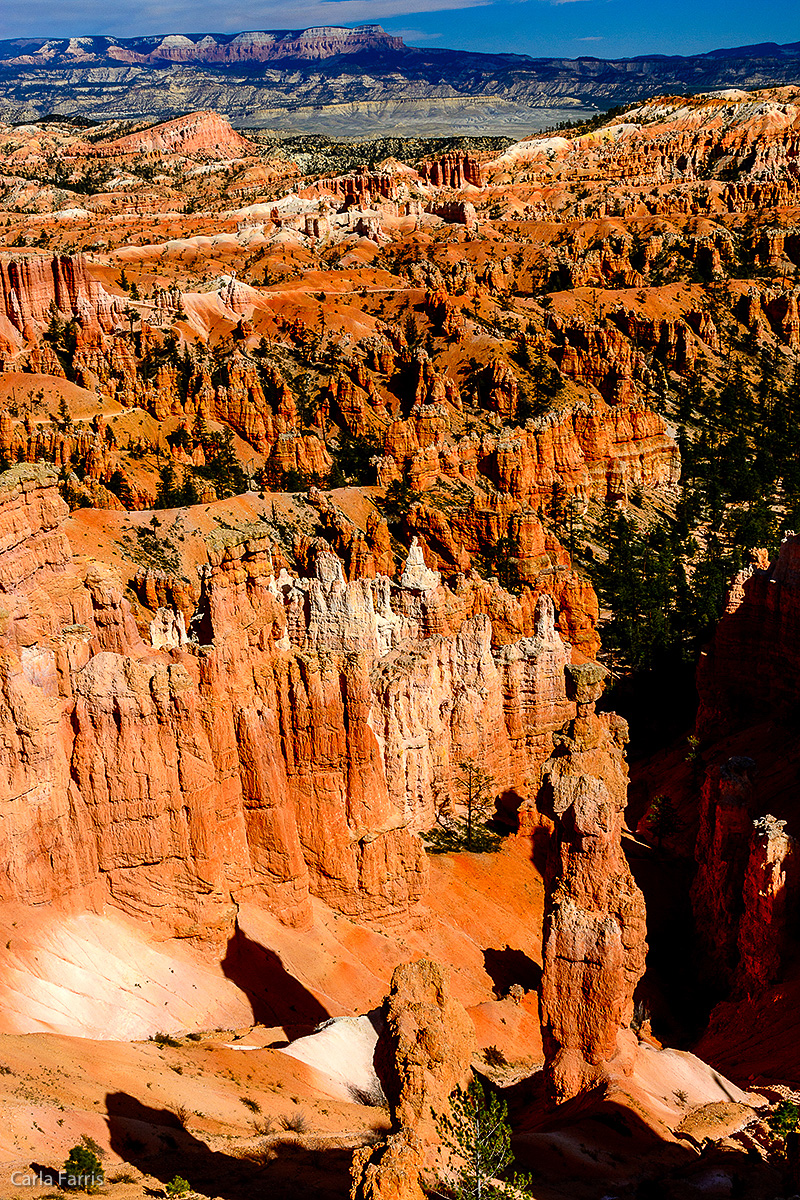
323	492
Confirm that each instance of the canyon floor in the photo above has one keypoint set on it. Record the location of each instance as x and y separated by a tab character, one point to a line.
359	498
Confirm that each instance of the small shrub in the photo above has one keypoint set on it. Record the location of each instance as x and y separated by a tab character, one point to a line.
123	1177
264	1126
296	1123
178	1186
182	1114
164	1039
82	1171
494	1056
783	1120
681	1096
662	819
370	1097
250	1103
195	1037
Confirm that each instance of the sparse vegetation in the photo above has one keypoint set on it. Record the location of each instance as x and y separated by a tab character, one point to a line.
783	1119
178	1186
662	819
164	1039
477	1134
82	1170
295	1122
461	824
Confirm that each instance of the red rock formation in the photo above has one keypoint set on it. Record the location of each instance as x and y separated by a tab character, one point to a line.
452	170
758	626
35	555
594	928
31	287
205	134
445	315
426	1048
769	897
276	755
359	189
390	1170
502	389
455	212
721	851
423	1053
596	450
364	555
747	875
159	589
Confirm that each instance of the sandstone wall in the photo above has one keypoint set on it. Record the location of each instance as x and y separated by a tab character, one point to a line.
292	747
31	286
758	626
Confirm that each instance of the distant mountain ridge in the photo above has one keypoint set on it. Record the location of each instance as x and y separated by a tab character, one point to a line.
265	45
262	77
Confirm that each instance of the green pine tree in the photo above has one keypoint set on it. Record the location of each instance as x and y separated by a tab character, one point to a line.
82	1171
225	471
477	1135
463	825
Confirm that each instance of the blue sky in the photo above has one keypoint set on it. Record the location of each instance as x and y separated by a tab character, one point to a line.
568	28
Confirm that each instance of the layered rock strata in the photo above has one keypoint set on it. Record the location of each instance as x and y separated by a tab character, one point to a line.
291	746
594	930
32	288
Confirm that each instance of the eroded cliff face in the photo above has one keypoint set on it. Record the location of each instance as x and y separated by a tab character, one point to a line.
594	930
747	879
727	805
748	873
769	892
758	626
291	748
31	288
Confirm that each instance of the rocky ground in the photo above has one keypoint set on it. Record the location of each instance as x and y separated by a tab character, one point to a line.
311	495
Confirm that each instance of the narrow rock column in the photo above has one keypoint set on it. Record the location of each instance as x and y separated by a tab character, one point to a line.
721	851
769	895
423	1053
594	932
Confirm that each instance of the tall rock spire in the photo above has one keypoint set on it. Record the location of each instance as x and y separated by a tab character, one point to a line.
594	932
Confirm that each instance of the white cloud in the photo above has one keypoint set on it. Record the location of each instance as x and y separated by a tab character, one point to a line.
414	35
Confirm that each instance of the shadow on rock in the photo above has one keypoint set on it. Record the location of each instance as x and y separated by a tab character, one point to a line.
507	967
275	996
287	1166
